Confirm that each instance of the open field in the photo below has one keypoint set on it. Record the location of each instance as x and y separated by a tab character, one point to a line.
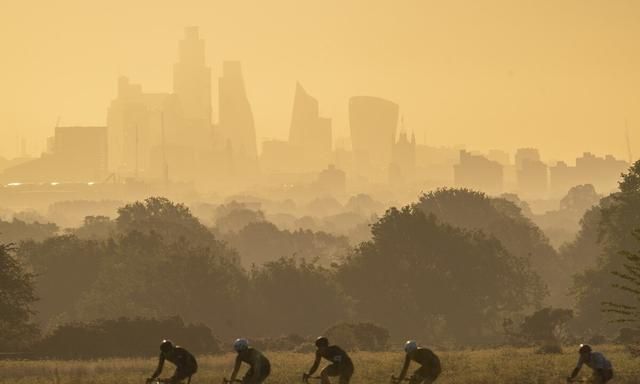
495	366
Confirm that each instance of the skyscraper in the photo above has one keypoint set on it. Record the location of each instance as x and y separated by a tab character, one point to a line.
236	127
531	173
192	86
373	122
310	133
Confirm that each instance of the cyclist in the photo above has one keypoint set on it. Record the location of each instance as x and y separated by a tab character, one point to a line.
341	365
185	362
259	366
602	368
429	364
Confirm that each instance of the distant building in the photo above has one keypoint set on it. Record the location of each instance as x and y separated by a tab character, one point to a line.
152	132
403	161
602	172
236	127
192	86
524	154
478	173
279	156
78	154
310	133
332	181
531	174
373	122
499	156
561	178
135	121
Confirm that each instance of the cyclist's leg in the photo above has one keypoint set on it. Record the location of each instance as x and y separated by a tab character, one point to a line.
263	375
419	376
180	375
433	373
345	373
248	377
329	370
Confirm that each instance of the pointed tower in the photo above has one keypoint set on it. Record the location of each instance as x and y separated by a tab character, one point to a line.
236	126
309	133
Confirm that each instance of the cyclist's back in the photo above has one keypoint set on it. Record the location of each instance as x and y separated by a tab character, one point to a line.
424	356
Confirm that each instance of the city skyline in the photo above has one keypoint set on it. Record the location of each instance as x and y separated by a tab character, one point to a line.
565	96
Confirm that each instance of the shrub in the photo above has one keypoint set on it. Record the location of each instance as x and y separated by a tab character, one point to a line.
123	338
358	336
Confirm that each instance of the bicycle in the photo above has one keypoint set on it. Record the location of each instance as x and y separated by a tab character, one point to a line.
305	378
164	381
157	381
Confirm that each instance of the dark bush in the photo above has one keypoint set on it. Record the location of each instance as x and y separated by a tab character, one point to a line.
551	348
123	338
628	335
358	336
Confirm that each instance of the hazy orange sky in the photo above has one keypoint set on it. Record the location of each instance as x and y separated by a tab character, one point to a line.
561	75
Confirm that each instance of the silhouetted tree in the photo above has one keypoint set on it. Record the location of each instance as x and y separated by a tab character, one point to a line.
296	296
619	216
172	221
144	276
420	277
17	230
503	220
364	204
96	228
16	298
627	311
583	252
65	267
233	217
580	198
262	242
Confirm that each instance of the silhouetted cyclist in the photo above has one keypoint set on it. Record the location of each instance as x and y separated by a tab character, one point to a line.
259	366
602	368
184	361
341	365
429	364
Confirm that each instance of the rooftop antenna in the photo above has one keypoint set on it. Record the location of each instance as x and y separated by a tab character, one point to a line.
628	142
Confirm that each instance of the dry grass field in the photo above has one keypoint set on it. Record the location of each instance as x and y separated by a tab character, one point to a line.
495	366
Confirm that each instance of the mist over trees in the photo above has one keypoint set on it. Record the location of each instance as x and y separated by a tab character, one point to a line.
17	230
448	268
420	277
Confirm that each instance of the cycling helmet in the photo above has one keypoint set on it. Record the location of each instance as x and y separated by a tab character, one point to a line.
166	346
410	346
322	342
240	345
584	348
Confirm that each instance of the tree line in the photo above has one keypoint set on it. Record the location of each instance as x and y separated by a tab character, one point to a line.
449	268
